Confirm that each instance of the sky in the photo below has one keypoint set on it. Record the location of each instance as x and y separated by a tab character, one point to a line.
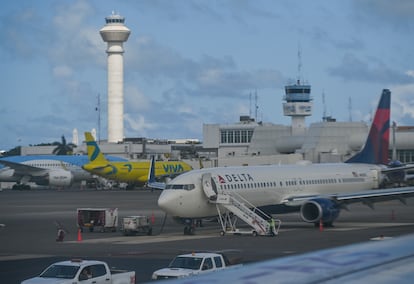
194	62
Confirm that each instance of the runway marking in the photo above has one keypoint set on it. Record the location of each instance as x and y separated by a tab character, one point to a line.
128	240
147	239
348	226
360	226
22	256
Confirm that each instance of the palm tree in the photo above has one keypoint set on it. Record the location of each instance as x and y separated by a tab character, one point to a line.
63	148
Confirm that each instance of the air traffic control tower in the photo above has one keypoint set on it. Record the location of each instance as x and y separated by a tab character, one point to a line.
115	33
298	105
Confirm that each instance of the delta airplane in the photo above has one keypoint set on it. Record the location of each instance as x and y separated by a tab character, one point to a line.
317	191
133	173
47	170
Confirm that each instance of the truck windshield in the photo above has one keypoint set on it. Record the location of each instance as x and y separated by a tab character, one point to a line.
186	262
60	271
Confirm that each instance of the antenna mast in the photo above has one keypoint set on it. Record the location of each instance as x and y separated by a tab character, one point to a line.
324	118
250	105
256	106
299	63
350	109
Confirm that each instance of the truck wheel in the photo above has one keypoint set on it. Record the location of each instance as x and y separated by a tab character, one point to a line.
149	233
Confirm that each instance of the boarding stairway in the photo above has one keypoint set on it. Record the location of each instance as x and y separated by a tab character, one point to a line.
231	206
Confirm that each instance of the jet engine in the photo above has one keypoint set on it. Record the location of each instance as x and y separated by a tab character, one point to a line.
315	210
397	176
59	178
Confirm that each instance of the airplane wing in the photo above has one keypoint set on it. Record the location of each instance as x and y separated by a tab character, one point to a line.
22	169
382	260
397	169
367	197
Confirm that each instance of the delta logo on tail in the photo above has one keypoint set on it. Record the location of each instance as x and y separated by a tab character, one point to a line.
377	144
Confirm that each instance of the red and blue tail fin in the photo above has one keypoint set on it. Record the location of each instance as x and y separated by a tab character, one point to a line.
376	147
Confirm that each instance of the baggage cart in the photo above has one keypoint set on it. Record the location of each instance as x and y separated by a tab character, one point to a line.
102	219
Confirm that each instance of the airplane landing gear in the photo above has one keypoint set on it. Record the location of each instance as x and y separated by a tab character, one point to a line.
189	230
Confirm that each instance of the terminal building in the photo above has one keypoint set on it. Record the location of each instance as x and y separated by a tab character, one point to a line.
248	142
253	143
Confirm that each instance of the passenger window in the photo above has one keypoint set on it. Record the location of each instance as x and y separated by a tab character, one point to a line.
208	264
98	270
218	262
85	274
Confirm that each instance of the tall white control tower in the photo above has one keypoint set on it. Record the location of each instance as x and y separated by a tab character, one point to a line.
115	33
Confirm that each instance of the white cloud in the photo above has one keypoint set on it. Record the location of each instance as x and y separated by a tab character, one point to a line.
403	102
410	73
62	71
137	125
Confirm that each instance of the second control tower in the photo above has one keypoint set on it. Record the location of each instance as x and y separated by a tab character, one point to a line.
298	105
115	33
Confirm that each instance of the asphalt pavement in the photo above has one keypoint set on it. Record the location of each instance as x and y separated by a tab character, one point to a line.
29	221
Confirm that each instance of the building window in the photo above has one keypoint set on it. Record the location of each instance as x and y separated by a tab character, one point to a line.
237	136
229	136
223	137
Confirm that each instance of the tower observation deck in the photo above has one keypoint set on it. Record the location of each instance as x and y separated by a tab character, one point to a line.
298	104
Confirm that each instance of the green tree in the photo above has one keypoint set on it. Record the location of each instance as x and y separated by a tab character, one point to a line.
62	148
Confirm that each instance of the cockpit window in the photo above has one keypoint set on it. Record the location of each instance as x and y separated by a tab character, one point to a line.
180	186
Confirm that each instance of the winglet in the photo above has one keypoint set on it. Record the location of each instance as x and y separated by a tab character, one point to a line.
376	147
94	153
152	183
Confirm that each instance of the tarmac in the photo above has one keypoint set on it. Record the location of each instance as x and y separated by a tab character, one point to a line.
29	222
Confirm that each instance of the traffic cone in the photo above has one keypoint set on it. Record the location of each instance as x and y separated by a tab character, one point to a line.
320	225
79	235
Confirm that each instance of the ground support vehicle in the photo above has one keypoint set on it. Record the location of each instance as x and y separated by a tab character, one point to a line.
103	219
193	264
133	225
78	271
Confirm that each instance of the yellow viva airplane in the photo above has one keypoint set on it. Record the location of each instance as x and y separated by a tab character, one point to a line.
128	172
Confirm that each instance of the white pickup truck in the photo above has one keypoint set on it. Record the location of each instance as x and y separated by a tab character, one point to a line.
192	264
82	272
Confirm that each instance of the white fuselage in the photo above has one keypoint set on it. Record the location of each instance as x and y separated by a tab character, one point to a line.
185	197
8	175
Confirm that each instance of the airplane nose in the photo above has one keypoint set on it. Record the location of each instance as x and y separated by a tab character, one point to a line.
169	202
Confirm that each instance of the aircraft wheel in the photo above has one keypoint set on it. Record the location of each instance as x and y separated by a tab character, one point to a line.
188	230
254	234
222	233
191	231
